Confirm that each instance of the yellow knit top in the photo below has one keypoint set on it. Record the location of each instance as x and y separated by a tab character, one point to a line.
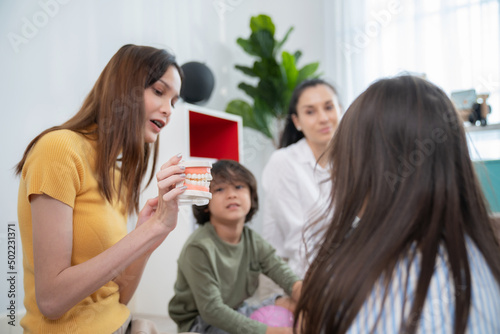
62	166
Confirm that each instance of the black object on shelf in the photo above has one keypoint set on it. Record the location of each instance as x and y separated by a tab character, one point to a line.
476	114
198	83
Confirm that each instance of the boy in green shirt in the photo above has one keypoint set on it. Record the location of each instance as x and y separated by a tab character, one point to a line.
220	263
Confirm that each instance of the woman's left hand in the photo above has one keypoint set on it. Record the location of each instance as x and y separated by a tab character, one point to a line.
167	207
164	208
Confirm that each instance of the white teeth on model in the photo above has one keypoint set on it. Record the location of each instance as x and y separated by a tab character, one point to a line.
198	183
202	180
207	177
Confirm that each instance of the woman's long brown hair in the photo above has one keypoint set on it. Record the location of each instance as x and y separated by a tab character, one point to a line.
399	159
113	114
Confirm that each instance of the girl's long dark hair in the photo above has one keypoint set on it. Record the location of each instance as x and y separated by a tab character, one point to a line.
290	133
113	115
399	159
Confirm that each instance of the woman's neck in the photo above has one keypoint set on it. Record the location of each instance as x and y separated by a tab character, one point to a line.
318	150
229	232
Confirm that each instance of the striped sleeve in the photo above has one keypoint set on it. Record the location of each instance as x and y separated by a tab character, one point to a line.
438	314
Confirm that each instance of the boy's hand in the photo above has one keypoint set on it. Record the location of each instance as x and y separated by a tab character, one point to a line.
296	291
287	303
291	302
279	330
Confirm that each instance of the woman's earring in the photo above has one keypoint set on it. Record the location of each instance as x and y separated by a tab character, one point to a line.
299	128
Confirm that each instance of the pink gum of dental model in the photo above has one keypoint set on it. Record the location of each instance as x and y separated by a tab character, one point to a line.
198	176
197	171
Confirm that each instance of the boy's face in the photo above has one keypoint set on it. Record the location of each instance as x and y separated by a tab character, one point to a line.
230	202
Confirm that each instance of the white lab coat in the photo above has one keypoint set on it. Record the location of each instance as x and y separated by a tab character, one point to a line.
296	189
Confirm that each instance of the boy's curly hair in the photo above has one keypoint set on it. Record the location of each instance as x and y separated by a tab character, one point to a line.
229	171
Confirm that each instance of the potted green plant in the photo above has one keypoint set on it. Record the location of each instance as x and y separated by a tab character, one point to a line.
277	79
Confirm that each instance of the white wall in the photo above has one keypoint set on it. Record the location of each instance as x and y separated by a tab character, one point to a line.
53	51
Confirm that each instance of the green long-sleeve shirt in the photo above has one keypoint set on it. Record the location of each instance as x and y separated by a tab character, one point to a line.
215	277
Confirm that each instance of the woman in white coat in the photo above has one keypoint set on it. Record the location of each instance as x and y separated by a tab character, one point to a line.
295	180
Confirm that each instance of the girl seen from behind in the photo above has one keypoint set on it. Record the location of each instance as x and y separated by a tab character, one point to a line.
410	246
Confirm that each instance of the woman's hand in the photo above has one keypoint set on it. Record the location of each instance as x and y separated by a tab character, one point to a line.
167	207
147	211
164	208
156	212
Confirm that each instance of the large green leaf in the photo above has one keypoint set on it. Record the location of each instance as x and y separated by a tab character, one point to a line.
262	22
267	67
247	70
289	69
287	95
307	71
280	44
249	90
262	115
263	42
249	46
269	93
297	56
252	118
243	109
277	78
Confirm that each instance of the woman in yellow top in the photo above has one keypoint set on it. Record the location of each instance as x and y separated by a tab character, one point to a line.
80	180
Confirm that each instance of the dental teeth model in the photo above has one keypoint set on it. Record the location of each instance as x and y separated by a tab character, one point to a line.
198	177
